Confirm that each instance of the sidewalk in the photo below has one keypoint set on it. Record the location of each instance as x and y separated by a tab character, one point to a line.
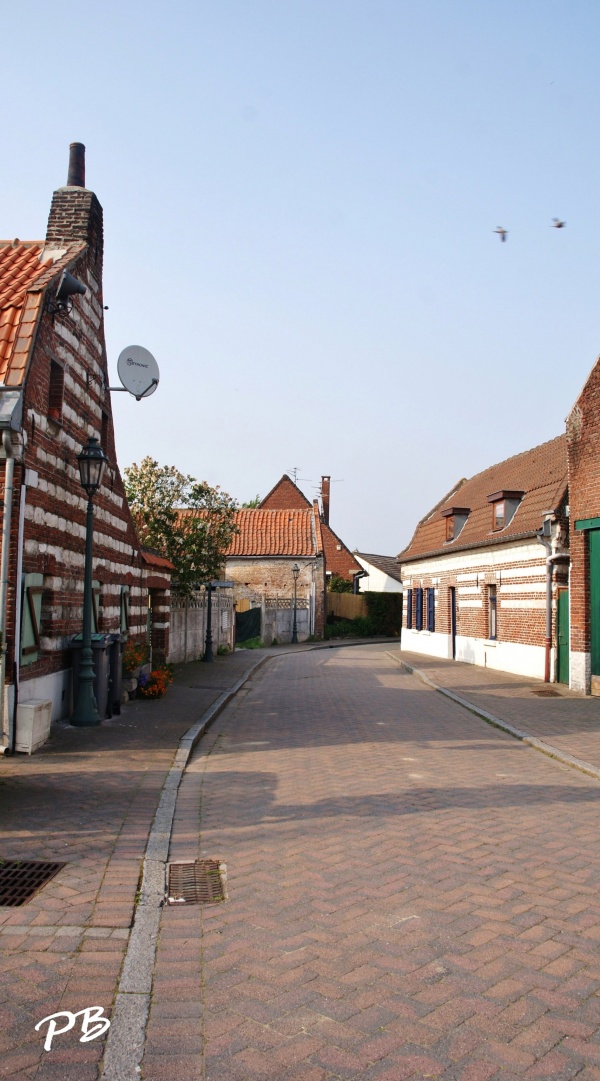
550	712
88	798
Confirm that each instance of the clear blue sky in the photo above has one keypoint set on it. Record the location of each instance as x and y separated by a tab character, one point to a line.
299	201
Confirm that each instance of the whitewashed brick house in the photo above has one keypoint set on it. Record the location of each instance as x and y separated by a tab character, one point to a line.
480	585
53	396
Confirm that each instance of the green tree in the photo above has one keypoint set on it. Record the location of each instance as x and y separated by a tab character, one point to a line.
189	522
252	504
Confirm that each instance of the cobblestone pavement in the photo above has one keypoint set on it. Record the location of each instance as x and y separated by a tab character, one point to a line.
412	893
87	798
566	719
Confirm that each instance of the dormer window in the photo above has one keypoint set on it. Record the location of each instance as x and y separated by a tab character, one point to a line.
455	520
504	506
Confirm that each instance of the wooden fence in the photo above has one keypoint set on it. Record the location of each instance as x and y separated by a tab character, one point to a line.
346	605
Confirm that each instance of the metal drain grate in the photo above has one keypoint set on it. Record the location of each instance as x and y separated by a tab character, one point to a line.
200	882
20	879
547	692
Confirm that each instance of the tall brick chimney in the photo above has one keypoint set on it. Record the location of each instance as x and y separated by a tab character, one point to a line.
75	213
325	486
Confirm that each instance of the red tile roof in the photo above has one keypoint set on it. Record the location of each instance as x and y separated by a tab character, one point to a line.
540	473
153	559
26	268
275	533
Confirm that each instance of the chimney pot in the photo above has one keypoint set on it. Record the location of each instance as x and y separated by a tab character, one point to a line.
76	177
325	488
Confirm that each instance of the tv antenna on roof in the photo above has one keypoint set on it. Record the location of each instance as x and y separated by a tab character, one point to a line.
138	372
294	475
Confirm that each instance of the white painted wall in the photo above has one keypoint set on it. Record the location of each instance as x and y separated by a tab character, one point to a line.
520	660
378	581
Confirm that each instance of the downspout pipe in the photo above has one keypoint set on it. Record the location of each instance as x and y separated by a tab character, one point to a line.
7	499
551	560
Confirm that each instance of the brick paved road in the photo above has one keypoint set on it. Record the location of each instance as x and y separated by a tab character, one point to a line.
412	893
87	798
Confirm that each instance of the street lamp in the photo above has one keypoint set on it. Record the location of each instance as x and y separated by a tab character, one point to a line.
295	572
92	463
208	646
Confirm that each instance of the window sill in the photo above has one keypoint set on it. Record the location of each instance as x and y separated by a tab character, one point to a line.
490	641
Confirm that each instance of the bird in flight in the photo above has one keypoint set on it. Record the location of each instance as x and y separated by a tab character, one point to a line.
557	224
502	233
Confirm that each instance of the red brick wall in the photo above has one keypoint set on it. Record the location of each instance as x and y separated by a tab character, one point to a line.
583	450
54	537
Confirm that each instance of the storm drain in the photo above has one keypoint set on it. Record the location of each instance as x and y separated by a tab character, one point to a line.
547	692
200	882
21	879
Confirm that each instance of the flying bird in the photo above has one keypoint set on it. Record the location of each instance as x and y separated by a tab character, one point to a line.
557	224
502	233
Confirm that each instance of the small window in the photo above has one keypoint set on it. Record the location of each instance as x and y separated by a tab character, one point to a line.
419	610
409	609
499	519
124	609
450	528
431	609
104	432
31	615
56	390
492	613
95	607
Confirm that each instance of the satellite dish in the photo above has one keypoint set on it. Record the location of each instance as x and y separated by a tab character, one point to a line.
138	371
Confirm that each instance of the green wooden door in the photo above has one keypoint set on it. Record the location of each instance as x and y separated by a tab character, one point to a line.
594	535
562	621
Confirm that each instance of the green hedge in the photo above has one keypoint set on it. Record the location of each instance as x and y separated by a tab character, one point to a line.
385	612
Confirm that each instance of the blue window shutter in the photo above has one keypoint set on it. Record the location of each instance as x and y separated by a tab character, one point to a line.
431	609
419	612
409	609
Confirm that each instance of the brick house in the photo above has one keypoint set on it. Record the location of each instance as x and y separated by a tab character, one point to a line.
53	396
260	560
287	496
486	572
583	447
382	573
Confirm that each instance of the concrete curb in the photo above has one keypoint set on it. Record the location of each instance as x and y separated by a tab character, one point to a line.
489	718
126	1037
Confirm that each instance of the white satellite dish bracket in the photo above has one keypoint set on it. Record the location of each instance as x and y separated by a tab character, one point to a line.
138	372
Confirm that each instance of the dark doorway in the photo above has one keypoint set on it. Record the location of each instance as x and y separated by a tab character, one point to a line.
453	620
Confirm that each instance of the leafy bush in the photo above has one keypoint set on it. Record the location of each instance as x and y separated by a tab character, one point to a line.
222	651
155	685
337	584
135	655
385	611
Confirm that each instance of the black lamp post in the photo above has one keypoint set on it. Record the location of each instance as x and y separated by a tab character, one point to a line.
295	572
92	463
208	649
